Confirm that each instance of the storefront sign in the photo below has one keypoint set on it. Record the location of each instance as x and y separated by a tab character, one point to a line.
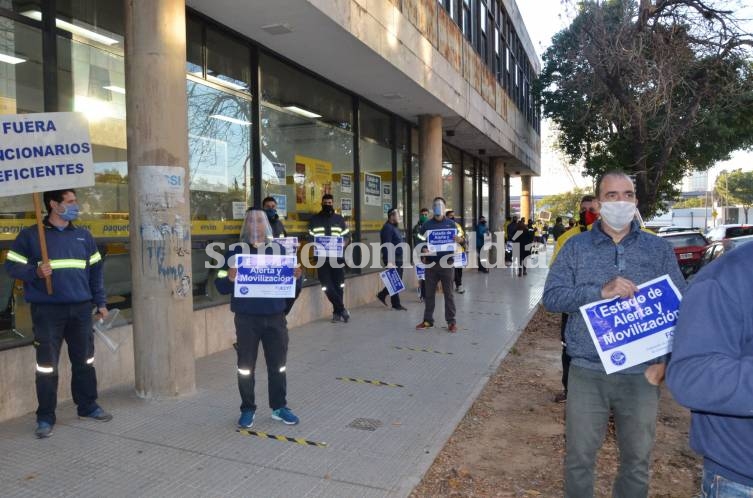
372	189
346	206
441	240
628	332
346	184
265	276
44	151
392	281
239	210
327	246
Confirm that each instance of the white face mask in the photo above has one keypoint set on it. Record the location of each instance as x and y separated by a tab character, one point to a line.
617	214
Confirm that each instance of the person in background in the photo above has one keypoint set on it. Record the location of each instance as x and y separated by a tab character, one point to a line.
75	267
332	277
481	233
423	217
450	214
259	320
558	228
391	237
269	204
711	372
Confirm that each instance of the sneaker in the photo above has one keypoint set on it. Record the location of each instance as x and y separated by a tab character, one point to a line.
383	299
561	397
400	308
460	289
247	419
285	415
335	317
345	315
43	430
420	300
98	414
452	328
424	325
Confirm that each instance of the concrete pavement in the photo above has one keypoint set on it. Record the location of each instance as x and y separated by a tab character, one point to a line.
380	439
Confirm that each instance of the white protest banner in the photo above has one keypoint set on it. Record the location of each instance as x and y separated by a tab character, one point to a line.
442	240
392	281
265	276
460	260
328	246
44	151
628	332
289	243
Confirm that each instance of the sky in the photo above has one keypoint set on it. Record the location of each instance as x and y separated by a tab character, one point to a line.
543	19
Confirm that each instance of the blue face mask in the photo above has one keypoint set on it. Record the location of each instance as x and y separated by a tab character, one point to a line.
271	213
70	212
438	210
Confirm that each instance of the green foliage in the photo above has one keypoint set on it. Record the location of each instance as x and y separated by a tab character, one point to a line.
693	202
736	187
656	90
564	205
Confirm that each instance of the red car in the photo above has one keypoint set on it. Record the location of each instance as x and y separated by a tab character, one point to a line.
689	248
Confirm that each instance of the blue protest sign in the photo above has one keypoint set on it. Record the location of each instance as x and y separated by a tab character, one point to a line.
328	246
420	271
265	276
441	240
392	281
44	151
628	332
460	260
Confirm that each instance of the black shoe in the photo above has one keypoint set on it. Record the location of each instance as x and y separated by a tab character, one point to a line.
336	317
344	315
400	308
383	299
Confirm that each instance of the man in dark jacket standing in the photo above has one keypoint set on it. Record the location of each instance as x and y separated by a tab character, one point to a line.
393	243
711	371
332	276
75	268
258	320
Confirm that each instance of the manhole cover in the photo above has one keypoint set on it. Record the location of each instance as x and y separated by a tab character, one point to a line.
366	424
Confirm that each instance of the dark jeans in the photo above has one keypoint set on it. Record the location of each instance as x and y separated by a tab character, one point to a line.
395	300
434	275
716	486
52	323
458	277
592	394
272	332
565	356
333	281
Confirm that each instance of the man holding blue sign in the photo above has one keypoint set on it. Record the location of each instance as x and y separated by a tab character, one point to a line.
259	319
441	236
609	262
393	243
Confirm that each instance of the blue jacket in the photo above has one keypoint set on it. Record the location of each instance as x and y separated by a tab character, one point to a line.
588	261
253	305
432	224
481	230
75	260
390	234
711	371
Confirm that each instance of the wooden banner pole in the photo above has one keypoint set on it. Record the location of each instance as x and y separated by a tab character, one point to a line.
42	239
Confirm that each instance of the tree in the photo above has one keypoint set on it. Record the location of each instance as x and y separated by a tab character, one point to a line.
693	202
658	89
736	187
564	205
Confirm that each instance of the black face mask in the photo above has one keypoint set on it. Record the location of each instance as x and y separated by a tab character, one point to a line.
328	210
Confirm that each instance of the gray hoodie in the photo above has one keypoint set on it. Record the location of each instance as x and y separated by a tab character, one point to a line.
587	262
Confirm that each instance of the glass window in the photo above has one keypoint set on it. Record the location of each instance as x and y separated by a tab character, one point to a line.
451	178
194	47
468	200
403	165
415	178
376	171
306	146
228	61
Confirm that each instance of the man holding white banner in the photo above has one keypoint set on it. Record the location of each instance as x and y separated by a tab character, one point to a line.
262	279
609	263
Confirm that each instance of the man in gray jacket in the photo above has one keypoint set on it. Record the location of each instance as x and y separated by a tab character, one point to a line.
608	261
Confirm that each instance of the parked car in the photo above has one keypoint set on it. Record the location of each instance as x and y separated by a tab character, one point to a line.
689	249
716	249
729	231
674	229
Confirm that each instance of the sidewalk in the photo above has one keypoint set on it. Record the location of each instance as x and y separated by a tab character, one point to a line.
379	439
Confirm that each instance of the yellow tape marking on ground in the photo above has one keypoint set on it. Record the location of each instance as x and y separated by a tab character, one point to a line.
372	382
296	440
421	350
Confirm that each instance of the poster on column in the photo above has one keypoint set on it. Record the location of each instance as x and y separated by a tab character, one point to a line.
372	190
392	281
265	276
44	151
628	332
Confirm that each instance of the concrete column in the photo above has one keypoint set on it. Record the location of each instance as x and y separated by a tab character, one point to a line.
496	194
429	160
525	196
508	209
160	237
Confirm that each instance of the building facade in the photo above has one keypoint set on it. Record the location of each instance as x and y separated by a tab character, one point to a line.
380	103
